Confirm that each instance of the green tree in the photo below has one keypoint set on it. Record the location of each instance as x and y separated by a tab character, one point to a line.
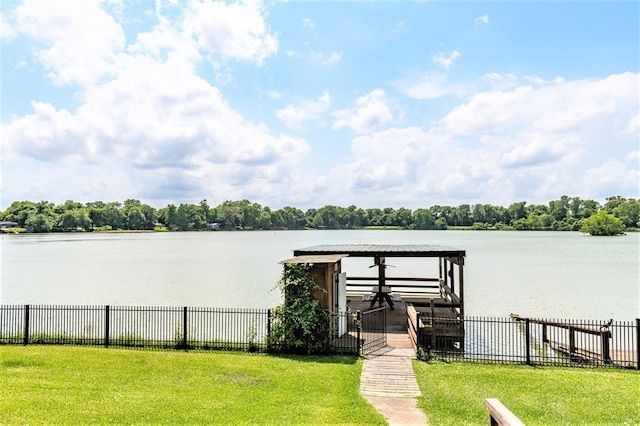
602	223
40	223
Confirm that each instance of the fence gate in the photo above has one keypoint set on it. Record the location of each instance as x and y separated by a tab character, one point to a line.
374	330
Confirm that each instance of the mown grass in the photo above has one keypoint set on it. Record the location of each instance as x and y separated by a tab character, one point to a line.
71	385
453	394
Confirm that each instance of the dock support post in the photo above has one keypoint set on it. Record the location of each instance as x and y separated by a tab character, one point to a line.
572	341
606	354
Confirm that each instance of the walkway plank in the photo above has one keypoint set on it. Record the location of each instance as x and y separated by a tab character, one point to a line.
389	383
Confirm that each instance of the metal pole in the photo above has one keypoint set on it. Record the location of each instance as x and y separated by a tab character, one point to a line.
106	326
184	328
268	330
26	325
527	328
638	343
359	329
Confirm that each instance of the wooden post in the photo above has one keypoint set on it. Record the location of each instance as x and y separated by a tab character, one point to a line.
381	278
572	340
606	354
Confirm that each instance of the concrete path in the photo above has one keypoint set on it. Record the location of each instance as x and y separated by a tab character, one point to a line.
389	383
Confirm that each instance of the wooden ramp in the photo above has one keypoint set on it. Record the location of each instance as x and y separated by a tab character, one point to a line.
389	383
388	372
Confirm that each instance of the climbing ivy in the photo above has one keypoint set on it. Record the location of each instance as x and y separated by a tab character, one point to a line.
299	325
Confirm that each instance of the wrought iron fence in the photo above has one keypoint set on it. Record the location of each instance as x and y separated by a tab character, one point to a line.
199	328
531	341
374	329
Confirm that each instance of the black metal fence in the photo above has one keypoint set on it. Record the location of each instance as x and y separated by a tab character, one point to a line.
374	329
198	328
531	341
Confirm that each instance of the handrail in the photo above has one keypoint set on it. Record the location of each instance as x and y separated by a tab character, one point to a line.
500	415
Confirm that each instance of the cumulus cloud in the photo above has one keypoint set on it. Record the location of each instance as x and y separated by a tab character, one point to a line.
445	61
370	112
81	40
232	30
133	113
308	22
305	110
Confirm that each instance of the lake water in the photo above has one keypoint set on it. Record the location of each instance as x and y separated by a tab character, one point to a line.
542	274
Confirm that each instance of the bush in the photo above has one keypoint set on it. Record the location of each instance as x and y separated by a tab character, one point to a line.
602	223
299	325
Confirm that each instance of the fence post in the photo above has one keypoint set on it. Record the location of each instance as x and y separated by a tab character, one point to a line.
527	330
184	328
359	329
638	343
26	325
268	330
106	326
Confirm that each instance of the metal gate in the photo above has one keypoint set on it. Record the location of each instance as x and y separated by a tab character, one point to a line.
374	330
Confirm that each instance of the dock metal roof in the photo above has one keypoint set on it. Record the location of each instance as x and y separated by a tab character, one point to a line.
384	250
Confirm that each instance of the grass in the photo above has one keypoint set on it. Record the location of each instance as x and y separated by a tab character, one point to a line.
73	385
453	394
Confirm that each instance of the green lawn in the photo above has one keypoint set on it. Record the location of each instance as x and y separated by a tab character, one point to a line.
74	385
453	394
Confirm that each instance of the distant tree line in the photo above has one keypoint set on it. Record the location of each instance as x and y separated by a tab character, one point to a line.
565	214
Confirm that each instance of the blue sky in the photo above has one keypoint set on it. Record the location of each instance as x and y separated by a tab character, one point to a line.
375	104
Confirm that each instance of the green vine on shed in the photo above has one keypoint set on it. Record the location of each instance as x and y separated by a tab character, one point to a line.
299	325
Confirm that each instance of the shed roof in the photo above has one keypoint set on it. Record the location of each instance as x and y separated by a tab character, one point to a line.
316	258
384	250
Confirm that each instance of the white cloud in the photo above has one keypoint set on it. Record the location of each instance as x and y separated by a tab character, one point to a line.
81	40
6	29
553	107
165	127
370	112
612	177
443	61
295	115
484	19
326	59
432	85
308	22
232	30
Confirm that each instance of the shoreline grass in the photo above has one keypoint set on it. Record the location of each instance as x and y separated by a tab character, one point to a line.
71	385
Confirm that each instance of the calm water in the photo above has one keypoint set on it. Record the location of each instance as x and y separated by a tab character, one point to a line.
545	274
